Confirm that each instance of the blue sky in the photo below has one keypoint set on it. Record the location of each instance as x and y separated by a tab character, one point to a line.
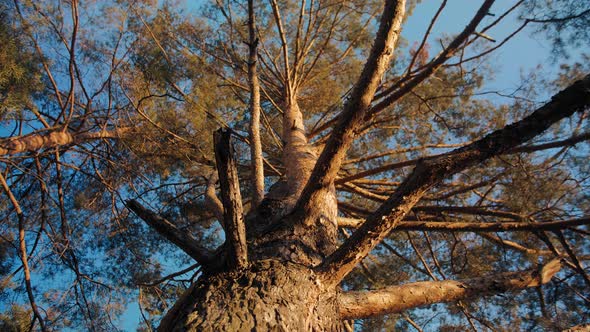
521	54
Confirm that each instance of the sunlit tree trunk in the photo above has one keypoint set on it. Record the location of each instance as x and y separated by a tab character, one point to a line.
268	296
54	138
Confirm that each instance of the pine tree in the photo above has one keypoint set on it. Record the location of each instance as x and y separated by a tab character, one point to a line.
296	165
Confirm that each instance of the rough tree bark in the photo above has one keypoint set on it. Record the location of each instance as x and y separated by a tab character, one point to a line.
396	299
53	138
254	130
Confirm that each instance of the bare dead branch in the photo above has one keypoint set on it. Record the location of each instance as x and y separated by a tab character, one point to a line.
396	299
182	239
484	36
233	213
23	252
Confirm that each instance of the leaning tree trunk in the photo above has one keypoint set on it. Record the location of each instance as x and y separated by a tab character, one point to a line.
276	289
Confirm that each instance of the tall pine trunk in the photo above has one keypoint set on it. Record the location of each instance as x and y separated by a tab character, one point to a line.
269	295
278	289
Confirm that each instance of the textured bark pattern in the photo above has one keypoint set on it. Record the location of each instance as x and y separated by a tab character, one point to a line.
268	296
233	213
36	141
257	167
298	156
303	243
396	299
274	230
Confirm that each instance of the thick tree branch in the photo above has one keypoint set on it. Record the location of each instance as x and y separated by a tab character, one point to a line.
452	226
182	239
233	214
396	299
575	98
255	143
572	141
333	154
54	138
400	89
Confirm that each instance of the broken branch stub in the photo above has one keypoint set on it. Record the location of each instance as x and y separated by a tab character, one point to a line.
233	213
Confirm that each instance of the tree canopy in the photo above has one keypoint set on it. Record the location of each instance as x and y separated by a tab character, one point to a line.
116	193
